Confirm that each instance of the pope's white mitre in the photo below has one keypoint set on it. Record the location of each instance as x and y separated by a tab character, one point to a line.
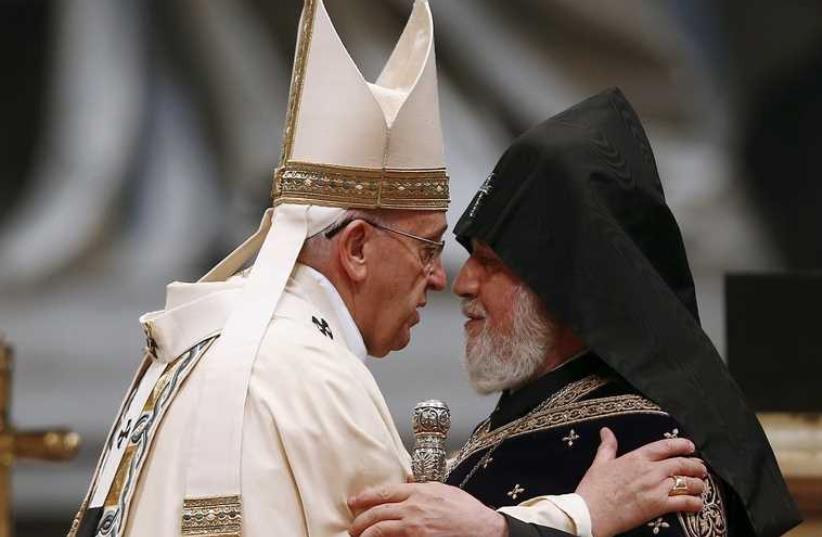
348	142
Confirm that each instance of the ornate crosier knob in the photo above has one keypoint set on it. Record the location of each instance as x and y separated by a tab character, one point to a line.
430	421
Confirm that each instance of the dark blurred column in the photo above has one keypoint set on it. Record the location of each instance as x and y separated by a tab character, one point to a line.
776	68
783	145
24	28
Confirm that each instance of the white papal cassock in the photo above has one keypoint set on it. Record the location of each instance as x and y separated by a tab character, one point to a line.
317	429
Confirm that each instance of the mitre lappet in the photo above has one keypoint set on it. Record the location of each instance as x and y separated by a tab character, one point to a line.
347	143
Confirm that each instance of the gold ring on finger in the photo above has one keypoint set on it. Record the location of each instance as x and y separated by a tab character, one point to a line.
680	486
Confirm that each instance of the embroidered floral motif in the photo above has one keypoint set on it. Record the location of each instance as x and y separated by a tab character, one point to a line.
710	521
672	434
657	525
516	491
570	438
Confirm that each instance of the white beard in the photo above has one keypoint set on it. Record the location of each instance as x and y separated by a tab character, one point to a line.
496	362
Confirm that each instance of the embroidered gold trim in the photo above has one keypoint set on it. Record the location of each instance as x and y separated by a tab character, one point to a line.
575	391
551	418
298	78
75	523
567	395
140	435
156	403
711	520
343	186
212	517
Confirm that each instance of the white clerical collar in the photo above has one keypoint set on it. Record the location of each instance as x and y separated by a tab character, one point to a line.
351	333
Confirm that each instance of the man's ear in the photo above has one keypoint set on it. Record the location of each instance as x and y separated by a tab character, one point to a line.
351	250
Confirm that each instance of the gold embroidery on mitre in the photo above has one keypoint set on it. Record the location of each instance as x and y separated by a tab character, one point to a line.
343	186
710	521
212	517
298	78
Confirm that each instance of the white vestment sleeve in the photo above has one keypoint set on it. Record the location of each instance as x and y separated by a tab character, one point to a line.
568	513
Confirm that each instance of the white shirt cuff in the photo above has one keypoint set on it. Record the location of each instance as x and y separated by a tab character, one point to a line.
568	513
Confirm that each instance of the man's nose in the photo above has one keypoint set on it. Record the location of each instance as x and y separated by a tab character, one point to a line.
438	279
466	283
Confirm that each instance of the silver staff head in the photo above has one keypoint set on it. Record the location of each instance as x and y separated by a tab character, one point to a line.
430	422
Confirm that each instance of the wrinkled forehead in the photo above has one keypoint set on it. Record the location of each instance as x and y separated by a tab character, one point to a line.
422	222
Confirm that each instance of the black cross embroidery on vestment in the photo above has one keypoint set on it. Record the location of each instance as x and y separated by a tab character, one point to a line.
322	325
123	434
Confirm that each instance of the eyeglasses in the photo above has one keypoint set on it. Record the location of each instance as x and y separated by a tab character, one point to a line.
428	255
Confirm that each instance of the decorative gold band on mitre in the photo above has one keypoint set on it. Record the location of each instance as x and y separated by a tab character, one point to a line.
341	186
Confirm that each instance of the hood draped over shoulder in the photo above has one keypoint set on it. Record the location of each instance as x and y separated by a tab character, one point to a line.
576	209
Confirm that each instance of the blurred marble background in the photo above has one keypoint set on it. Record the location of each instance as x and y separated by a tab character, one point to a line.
138	140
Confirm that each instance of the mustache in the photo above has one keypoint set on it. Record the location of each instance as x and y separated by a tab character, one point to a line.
471	307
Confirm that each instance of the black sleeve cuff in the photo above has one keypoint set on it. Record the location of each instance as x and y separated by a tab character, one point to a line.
518	528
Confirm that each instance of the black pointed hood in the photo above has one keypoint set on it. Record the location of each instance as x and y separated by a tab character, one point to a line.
576	209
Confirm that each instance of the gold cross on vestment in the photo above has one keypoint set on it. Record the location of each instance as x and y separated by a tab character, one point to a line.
54	445
571	438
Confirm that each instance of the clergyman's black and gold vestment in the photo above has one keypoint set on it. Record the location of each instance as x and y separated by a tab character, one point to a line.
542	439
575	208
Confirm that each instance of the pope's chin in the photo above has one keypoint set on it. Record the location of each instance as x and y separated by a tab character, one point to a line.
400	340
403	337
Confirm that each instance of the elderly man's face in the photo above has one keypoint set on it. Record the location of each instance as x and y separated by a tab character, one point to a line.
508	332
398	281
